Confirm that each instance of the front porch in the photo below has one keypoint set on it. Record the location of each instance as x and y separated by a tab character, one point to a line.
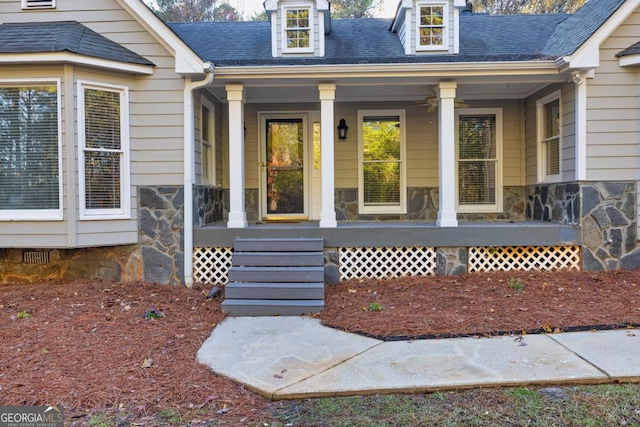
398	248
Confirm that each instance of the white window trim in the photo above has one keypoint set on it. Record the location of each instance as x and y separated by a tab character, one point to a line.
401	208
283	32
38	4
541	146
44	214
124	212
212	135
445	30
498	205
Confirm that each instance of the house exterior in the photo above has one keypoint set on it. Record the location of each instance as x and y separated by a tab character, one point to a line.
439	141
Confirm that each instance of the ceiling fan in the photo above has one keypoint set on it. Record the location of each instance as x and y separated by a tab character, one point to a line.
431	102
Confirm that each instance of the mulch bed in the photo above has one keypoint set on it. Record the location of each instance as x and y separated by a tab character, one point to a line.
484	304
88	347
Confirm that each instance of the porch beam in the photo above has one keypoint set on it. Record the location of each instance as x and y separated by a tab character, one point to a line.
447	155
237	213
327	98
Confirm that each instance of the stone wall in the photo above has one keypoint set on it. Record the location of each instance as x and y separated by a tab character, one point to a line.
119	263
161	222
609	228
451	261
208	205
422	205
554	202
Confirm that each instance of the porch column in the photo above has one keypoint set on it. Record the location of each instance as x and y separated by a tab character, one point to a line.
327	132
580	80
237	214
447	156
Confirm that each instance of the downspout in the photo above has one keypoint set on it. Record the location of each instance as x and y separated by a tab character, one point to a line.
189	170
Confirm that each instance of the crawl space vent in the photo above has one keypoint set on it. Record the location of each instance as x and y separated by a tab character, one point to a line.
35	257
38	4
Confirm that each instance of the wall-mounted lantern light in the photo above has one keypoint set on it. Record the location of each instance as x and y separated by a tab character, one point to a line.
342	129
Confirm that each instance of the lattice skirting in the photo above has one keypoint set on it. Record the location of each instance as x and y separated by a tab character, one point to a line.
524	258
211	265
385	262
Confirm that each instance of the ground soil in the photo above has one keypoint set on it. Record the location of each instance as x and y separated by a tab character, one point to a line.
89	347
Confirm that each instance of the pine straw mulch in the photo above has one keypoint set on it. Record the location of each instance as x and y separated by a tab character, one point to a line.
87	346
485	304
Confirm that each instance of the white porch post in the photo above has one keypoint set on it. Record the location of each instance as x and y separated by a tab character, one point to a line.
580	80
327	96
447	157
237	214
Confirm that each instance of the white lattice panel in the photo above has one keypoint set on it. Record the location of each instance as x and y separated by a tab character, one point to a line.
526	258
385	262
211	265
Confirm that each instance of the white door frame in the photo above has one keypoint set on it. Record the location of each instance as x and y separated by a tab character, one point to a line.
262	120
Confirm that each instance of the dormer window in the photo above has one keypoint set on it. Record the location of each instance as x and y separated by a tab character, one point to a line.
432	29
38	4
298	29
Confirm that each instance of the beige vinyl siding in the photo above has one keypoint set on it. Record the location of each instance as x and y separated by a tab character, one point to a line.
613	121
568	132
156	123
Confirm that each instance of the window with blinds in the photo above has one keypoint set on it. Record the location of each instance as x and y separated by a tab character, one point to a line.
104	151
382	163
549	138
479	141
30	150
208	146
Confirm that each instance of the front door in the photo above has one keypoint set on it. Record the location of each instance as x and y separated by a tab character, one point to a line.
284	175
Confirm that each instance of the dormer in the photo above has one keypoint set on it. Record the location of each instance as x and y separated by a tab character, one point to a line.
427	27
298	27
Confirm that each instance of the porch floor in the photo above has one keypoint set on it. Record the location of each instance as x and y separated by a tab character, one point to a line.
399	233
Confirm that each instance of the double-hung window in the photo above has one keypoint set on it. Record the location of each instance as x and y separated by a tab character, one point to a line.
549	138
103	128
30	150
381	140
298	29
208	144
479	157
431	26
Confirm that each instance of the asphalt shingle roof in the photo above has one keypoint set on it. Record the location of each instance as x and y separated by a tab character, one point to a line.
577	28
65	36
483	38
631	50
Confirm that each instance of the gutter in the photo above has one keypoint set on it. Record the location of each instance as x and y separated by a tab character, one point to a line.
189	172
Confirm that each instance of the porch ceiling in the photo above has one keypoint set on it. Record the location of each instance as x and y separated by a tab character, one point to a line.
388	89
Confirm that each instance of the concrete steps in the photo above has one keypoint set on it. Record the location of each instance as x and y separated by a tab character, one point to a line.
271	277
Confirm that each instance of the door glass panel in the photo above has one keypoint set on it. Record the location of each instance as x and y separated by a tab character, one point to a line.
285	166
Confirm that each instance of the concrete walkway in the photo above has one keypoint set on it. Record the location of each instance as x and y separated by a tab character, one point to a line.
293	357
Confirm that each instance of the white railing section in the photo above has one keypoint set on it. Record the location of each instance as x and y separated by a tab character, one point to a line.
505	258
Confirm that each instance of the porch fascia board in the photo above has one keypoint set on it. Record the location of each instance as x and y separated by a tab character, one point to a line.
467	69
397	234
